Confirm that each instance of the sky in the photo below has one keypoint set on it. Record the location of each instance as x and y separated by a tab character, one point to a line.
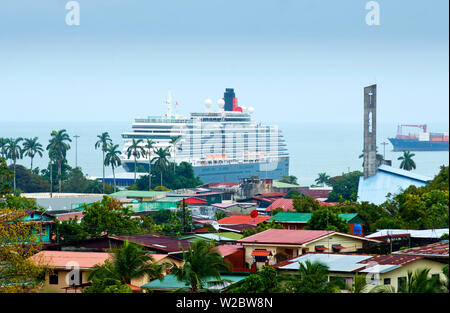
292	60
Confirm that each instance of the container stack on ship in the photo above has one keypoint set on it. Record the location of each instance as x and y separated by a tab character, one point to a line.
423	141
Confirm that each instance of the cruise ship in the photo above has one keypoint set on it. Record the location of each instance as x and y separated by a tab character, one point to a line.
223	145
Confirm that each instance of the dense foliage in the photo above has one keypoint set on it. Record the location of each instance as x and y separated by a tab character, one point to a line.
183	177
345	187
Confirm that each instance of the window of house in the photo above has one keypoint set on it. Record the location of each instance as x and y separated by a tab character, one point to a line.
387	281
401	282
53	279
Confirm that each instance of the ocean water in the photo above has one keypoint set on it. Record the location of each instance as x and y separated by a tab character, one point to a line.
333	148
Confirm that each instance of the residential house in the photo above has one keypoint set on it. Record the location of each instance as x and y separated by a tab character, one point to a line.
234	254
294	220
70	269
220	238
236	207
387	270
397	238
275	245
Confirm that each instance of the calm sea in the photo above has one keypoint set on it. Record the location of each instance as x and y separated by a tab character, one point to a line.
314	147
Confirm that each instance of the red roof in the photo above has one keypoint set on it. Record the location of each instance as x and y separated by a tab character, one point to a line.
194	200
285	236
242	219
67	216
327	203
391	259
226	250
438	249
134	288
61	259
285	204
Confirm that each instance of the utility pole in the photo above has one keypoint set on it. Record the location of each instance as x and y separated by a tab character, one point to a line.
76	150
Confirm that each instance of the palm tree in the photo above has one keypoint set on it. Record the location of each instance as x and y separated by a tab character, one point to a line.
112	159
161	160
407	161
14	151
103	141
174	143
58	147
359	284
312	278
322	179
149	145
379	158
3	142
201	264
31	148
135	150
127	263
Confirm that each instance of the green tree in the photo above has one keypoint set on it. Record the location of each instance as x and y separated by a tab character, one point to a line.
27	181
14	151
103	141
201	264
112	159
304	204
58	148
3	142
31	148
407	161
136	150
359	284
127	263
291	193
264	281
345	187
149	146
312	278
322	179
326	219
289	180
161	160
6	175
18	273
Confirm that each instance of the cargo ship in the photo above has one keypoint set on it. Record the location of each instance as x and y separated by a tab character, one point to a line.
423	141
223	145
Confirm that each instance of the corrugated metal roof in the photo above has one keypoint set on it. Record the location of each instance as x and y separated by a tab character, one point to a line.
285	236
139	194
278	184
336	262
242	219
170	282
413	233
374	189
438	249
295	217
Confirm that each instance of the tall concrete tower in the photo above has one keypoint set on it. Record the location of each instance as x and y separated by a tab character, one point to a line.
370	131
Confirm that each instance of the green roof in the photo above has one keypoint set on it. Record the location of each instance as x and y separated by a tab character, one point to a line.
138	193
170	282
278	184
295	217
291	217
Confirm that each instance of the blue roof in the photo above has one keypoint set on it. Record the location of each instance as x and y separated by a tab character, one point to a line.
387	180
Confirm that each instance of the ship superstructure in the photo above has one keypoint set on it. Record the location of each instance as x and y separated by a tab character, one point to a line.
222	146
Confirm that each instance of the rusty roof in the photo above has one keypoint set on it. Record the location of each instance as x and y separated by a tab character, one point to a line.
438	249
